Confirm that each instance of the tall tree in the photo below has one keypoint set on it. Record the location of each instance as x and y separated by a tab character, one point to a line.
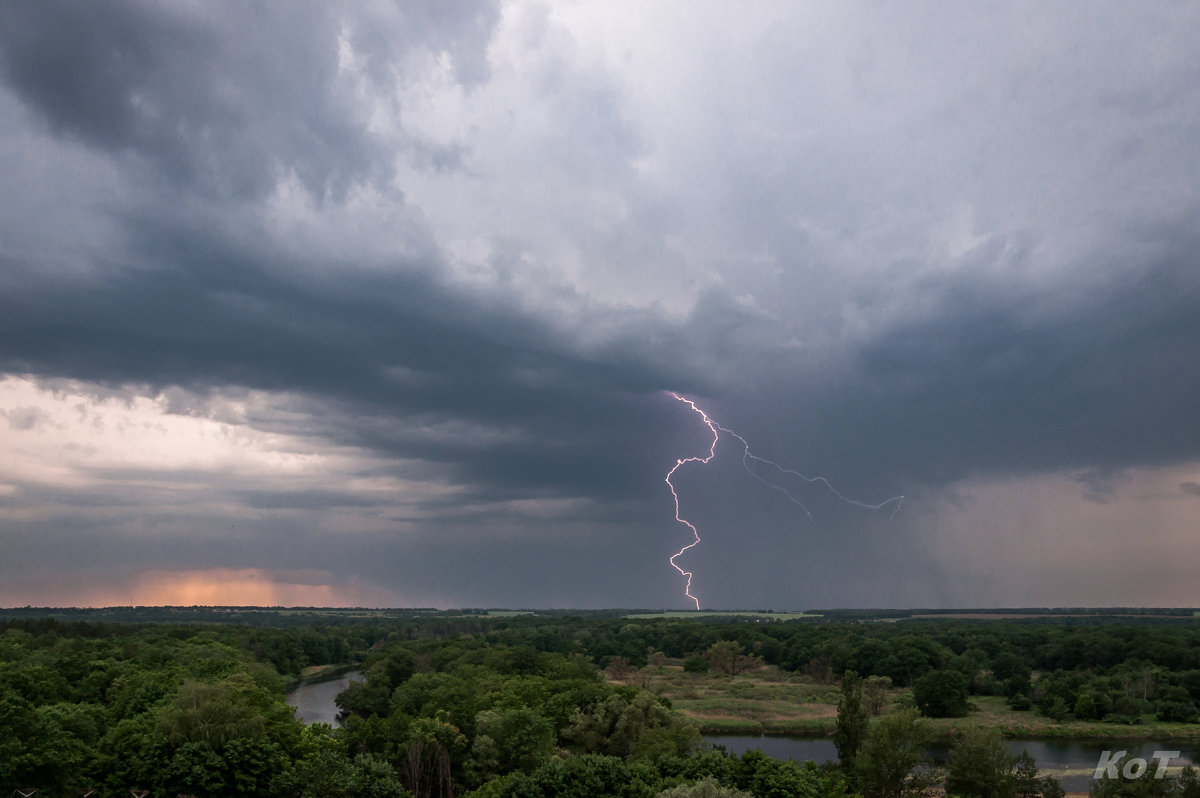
886	762
980	766
875	692
852	720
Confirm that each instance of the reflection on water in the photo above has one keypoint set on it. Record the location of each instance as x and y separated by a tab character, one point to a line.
314	702
1072	762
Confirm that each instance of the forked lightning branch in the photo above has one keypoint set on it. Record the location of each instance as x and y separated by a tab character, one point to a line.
747	458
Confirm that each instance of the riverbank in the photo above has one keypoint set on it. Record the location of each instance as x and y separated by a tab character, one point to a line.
949	728
315	674
1072	762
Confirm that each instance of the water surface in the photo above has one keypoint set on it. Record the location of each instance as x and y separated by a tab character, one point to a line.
314	701
1072	762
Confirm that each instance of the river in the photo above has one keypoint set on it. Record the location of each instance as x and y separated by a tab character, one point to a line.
1072	762
314	701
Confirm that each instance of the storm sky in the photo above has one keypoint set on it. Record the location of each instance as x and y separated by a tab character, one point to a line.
382	304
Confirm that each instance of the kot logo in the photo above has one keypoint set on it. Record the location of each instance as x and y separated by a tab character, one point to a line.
1135	768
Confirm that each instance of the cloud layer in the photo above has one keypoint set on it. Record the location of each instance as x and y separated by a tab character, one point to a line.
395	294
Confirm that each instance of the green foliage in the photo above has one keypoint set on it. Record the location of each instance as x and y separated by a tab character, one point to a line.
324	769
1175	705
45	745
894	746
1020	702
699	765
728	657
1085	707
852	720
1057	709
695	664
433	747
216	713
511	704
942	694
980	766
1009	665
230	737
585	776
243	766
130	754
1026	783
507	740
641	726
875	693
775	778
705	788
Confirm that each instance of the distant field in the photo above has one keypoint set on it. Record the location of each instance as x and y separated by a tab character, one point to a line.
767	700
771	701
775	616
1010	616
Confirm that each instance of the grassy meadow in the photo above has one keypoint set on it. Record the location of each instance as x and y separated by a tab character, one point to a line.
770	701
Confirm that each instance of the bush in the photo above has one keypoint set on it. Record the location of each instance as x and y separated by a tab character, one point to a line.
1058	710
1085	707
695	664
1177	712
1020	702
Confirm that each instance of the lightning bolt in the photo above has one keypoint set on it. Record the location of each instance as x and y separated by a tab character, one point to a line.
747	457
712	452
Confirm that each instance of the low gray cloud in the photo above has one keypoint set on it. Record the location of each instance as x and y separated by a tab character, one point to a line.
23	418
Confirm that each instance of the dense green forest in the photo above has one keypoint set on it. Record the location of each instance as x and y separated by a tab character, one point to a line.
190	701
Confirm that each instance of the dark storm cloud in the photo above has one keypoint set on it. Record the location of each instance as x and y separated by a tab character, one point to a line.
384	346
978	385
200	104
188	308
987	381
1108	383
224	99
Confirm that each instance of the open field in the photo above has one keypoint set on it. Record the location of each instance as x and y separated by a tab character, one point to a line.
993	711
1022	616
770	701
687	614
765	701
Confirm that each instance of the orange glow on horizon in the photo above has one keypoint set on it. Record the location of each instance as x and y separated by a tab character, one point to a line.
245	587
